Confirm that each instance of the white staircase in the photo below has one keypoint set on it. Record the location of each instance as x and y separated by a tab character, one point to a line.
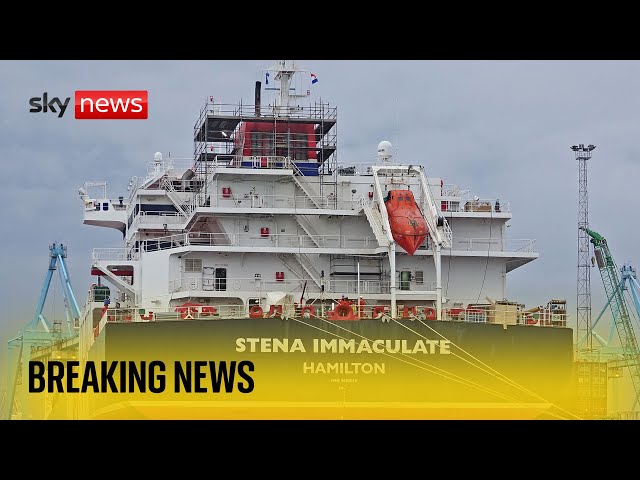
308	228
286	259
303	261
305	186
167	185
308	267
117	281
375	220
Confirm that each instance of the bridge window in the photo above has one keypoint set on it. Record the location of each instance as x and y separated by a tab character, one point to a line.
193	265
105	206
221	279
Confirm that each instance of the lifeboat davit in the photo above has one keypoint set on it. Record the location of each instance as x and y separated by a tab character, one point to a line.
408	226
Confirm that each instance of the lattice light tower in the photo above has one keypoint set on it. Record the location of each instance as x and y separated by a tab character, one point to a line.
583	327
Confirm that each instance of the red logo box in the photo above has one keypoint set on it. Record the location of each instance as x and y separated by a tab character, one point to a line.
111	104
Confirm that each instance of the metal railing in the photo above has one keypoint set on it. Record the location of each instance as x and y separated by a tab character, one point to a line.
377	286
520	245
292	241
261	284
116	254
258	200
367	311
230	285
315	111
451	190
471	314
255	240
167	165
156	169
160	217
494	244
480	206
90	205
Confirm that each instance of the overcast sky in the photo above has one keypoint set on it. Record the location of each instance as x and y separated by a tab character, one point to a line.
500	128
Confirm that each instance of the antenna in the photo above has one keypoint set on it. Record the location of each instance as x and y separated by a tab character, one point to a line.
584	326
281	74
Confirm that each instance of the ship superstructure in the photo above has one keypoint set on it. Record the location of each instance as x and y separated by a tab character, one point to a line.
265	210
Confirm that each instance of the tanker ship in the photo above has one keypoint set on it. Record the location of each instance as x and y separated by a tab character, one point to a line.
369	289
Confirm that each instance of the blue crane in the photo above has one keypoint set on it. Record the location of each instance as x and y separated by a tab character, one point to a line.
39	331
57	255
614	286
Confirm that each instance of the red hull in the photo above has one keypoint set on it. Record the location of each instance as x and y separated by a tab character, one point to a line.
408	226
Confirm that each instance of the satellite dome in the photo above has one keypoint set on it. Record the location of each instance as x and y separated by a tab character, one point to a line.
157	156
384	150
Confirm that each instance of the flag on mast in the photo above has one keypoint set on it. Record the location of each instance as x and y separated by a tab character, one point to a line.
314	79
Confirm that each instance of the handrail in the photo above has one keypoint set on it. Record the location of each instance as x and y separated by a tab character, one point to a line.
471	313
257	239
121	254
316	111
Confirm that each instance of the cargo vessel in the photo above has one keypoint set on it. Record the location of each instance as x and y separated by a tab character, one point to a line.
390	282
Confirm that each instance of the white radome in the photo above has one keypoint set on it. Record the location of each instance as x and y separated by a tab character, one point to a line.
384	150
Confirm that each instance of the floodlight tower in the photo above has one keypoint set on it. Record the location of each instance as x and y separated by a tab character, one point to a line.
584	326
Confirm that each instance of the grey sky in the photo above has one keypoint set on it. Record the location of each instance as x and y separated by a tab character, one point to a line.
500	128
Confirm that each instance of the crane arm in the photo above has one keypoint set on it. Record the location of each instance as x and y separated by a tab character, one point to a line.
614	287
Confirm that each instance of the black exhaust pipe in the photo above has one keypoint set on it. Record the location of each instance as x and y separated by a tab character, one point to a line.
257	97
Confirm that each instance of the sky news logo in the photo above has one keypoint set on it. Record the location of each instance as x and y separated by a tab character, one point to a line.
97	104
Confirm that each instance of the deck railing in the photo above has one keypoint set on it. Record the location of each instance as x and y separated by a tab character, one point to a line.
284	240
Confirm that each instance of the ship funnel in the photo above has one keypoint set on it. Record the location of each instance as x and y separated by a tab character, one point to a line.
384	151
257	97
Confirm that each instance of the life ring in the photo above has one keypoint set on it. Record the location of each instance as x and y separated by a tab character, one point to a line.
256	312
343	311
308	308
430	313
378	311
148	316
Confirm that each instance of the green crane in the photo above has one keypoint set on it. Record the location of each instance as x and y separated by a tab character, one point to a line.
614	287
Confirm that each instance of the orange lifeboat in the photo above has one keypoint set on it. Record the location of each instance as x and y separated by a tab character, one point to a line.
408	226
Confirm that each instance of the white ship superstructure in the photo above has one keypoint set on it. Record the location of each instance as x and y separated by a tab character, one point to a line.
264	209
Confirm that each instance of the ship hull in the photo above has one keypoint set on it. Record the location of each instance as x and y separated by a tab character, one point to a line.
316	369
